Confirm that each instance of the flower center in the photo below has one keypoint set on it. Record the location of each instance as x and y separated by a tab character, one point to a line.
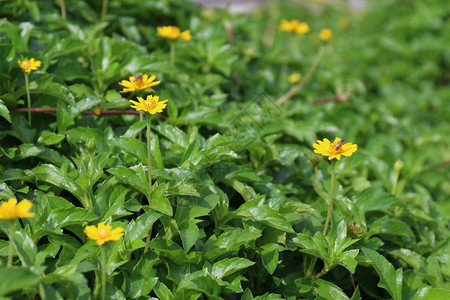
103	234
26	64
149	104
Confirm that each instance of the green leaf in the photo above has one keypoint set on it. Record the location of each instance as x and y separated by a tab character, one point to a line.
264	214
269	256
135	177
189	233
159	201
26	249
385	225
327	290
173	134
390	279
16	279
138	229
48	138
431	293
4	112
228	266
133	147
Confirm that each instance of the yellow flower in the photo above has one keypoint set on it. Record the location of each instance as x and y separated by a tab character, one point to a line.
139	82
344	22
302	28
288	26
336	149
103	233
29	65
185	35
150	105
325	35
168	32
10	210
294	78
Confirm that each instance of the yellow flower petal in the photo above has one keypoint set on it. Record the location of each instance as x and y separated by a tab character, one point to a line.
10	210
103	233
151	104
326	148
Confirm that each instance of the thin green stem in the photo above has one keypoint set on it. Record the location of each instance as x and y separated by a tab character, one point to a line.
330	203
11	243
62	5
27	87
327	222
103	250
104	10
172	53
141	118
149	157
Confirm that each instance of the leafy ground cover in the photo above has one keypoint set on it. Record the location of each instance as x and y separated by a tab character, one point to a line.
239	205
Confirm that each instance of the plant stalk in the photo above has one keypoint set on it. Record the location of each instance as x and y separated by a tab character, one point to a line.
27	87
299	85
172	53
62	5
11	243
149	157
330	203
103	292
104	10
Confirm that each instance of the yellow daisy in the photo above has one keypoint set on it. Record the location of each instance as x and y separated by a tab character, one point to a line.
336	149
139	82
289	26
103	233
294	78
325	35
29	65
150	105
185	35
10	210
302	28
168	32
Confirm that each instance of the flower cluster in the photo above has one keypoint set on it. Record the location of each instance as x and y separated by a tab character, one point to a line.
334	149
294	26
173	33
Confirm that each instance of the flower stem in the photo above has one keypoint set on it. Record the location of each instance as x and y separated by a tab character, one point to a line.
11	243
103	250
172	53
327	221
299	85
104	10
330	203
62	5
141	117
149	157
27	87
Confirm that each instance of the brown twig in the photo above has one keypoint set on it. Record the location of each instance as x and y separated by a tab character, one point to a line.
299	85
338	98
86	113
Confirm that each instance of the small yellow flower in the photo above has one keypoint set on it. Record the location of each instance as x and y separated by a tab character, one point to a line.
325	35
29	65
185	35
150	105
288	26
10	210
139	82
302	28
103	233
294	78
335	149
168	32
344	22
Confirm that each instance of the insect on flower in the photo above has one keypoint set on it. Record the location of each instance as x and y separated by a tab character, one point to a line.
138	76
340	143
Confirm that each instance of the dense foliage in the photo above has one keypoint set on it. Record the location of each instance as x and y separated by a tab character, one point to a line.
239	200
